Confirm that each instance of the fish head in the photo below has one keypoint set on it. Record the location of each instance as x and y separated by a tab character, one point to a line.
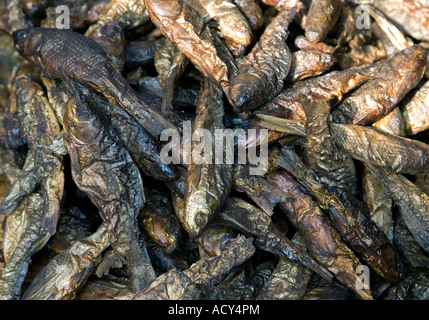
198	212
240	95
27	41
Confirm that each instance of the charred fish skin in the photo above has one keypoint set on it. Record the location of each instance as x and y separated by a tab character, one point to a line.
86	62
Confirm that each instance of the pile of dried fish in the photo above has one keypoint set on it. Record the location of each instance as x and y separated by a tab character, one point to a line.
321	193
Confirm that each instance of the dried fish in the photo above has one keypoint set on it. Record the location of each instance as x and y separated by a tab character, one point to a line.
54	50
323	241
415	112
43	166
402	155
118	189
129	14
412	287
412	201
208	182
64	275
304	44
185	28
408	246
378	97
288	280
257	188
104	289
25	235
349	218
263	71
176	285
142	147
329	203
321	18
170	63
332	164
371	144
329	87
232	24
410	16
307	64
158	219
72	226
249	219
252	11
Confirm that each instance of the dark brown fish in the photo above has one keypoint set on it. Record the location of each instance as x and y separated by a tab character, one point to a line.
329	87
364	143
350	218
65	275
118	190
323	241
253	221
86	62
144	149
262	73
309	63
332	164
402	155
